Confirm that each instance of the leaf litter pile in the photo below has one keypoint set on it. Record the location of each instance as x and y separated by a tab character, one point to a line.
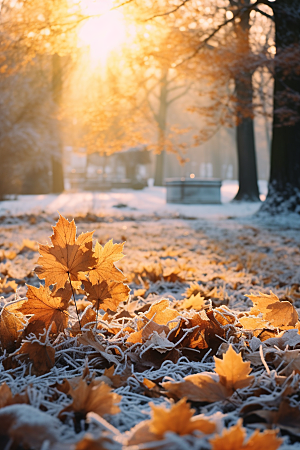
190	342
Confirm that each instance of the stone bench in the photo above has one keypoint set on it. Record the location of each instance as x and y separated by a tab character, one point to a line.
193	190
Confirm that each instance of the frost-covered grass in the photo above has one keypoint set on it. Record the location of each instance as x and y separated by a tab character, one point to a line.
226	258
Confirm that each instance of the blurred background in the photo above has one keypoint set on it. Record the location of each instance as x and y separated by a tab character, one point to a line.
103	94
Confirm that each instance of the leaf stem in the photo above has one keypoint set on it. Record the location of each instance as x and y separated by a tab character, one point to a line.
74	300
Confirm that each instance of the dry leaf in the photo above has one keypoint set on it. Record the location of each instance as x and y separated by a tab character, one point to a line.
12	323
67	257
277	313
105	269
231	374
90	442
26	427
253	323
106	294
90	397
6	287
159	316
47	308
207	332
178	419
203	387
286	417
234	439
6	397
40	354
195	302
89	338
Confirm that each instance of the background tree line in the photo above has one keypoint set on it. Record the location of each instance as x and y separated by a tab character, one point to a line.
236	48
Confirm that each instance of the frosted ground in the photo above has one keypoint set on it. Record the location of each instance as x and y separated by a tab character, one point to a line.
151	200
226	249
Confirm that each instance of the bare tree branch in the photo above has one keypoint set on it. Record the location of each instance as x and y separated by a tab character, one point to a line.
236	14
179	95
167	12
263	13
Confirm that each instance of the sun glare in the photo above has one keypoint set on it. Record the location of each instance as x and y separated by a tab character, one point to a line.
103	33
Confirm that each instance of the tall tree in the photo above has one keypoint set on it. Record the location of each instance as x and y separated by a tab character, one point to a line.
245	141
215	43
284	184
57	157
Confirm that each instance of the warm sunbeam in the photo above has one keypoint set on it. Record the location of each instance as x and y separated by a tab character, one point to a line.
104	32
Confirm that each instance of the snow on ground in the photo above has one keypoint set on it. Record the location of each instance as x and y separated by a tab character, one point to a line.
151	200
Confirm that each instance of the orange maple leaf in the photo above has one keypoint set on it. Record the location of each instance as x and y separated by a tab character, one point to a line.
106	294
234	439
67	257
105	269
277	313
178	419
93	397
231	374
47	308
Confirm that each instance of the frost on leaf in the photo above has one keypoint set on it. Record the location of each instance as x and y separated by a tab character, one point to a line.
178	419
26	427
105	268
235	439
156	319
277	313
231	374
67	256
93	397
47	309
106	294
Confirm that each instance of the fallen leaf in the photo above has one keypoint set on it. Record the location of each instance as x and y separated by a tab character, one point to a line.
286	417
6	397
178	419
47	309
162	313
90	397
24	426
89	338
40	354
106	294
67	257
231	374
12	323
277	313
90	442
234	439
195	302
203	387
6	287
28	245
104	268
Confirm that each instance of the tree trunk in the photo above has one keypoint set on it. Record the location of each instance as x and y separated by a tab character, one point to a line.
247	170
57	158
162	124
284	183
